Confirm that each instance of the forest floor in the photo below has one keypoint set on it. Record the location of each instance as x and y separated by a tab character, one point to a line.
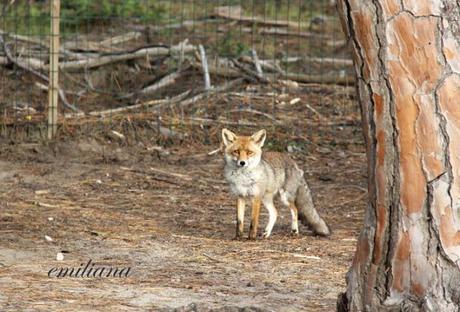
165	212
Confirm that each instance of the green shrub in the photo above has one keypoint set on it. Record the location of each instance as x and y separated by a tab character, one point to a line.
33	17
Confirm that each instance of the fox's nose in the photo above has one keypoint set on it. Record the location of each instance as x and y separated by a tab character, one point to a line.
242	163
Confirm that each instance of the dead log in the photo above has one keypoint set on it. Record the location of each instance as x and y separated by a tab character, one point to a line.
182	47
251	73
273	65
114	111
19	63
232	72
183	24
162	83
235	13
224	87
292	33
228	72
276	31
255	112
45	43
323	79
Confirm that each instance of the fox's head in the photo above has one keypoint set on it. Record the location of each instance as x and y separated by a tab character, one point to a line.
243	151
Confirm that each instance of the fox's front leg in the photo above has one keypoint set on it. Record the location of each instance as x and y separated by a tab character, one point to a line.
254	218
240	207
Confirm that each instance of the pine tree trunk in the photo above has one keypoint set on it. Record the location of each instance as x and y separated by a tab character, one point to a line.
407	61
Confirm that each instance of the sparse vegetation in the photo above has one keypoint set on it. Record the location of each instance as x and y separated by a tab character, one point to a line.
33	18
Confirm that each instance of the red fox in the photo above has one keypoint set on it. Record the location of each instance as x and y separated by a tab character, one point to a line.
256	177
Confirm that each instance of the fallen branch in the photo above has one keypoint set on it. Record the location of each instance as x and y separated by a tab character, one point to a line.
172	174
108	45
235	13
230	72
255	112
217	150
315	111
200	121
250	73
274	65
322	61
18	62
23	66
182	24
221	88
158	176
113	111
44	43
264	64
182	47
163	82
338	123
277	32
325	79
110	42
291	33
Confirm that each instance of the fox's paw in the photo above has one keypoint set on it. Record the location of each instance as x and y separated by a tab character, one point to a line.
295	232
266	234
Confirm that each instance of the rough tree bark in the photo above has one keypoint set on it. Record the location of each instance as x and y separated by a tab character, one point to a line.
407	61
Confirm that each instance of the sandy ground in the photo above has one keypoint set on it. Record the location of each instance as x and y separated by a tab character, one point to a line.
170	219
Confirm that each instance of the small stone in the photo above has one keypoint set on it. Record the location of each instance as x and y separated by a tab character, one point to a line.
41	192
294	101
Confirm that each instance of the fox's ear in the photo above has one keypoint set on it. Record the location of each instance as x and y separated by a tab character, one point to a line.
228	137
259	137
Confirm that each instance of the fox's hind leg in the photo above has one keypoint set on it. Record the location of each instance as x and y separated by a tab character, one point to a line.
294	218
272	215
288	201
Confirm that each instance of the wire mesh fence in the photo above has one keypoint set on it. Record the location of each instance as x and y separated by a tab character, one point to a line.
176	68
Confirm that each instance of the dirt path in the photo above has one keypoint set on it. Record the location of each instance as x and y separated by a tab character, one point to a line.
173	229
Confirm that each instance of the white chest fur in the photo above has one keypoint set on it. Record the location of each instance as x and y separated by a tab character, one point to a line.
243	182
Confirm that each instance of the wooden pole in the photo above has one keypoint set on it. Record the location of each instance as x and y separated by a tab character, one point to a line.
204	63
53	90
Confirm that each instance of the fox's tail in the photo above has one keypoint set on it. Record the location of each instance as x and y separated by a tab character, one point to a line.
307	212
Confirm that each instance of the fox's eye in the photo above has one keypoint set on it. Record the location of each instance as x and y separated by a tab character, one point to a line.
236	152
250	153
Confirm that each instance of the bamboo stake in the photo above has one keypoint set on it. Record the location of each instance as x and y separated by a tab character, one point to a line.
53	90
